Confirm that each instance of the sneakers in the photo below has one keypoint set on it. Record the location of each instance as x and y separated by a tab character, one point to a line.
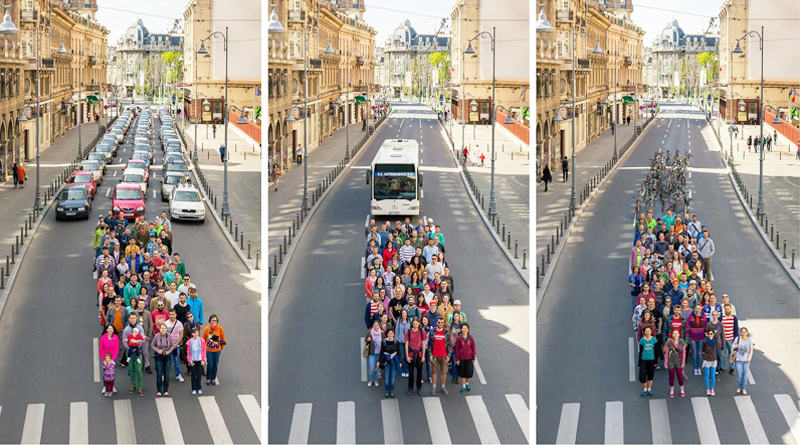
199	391
391	394
369	383
671	395
408	393
131	389
141	392
194	391
708	392
463	388
433	390
650	393
208	383
738	390
744	391
732	372
468	388
683	393
419	392
148	370
158	394
166	394
713	393
386	394
179	378
644	393
444	391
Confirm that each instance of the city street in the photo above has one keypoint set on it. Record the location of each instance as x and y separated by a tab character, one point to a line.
318	391
51	388
587	385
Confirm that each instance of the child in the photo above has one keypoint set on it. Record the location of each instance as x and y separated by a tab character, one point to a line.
134	343
483	158
109	374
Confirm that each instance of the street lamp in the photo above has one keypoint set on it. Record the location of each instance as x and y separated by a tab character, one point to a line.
7	27
93	59
202	50
347	101
492	208
738	50
274	26
542	25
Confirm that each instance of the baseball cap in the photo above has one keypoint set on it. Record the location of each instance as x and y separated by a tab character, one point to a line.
456	302
430	220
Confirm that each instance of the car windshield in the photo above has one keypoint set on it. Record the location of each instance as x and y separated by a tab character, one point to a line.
141	165
176	167
142	147
91	166
103	148
128	194
172	179
186	196
140	155
132	178
395	185
82	179
173	148
98	156
72	194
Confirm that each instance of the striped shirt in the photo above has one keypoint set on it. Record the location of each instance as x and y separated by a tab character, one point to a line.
406	253
727	325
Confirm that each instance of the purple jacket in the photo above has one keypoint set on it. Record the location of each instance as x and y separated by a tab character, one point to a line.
697	326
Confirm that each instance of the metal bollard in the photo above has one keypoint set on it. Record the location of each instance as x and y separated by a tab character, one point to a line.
784	249
497	221
504	232
548	257
777	239
508	246
269	281
516	249
241	241
12	255
558	236
236	237
542	268
275	264
258	252
8	267
284	243
230	227
280	254
290	236
21	236
771	232
792	258
524	257
248	250
552	245
2	278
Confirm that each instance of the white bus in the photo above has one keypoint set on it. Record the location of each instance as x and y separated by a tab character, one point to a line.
395	177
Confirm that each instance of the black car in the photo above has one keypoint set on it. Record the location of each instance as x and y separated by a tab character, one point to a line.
73	202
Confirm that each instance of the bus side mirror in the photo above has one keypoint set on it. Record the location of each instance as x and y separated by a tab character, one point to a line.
369	173
420	179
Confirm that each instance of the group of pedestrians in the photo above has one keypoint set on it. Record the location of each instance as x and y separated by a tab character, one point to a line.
414	323
676	312
150	308
765	141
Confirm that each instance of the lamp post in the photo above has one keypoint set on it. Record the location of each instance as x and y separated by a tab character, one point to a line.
80	101
225	210
492	208
738	50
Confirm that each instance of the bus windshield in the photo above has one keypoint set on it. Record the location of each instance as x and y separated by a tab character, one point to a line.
394	182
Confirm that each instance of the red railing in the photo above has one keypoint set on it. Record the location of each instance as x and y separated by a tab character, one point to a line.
250	129
786	129
517	129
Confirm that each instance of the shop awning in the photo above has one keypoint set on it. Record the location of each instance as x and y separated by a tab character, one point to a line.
92	99
360	99
628	99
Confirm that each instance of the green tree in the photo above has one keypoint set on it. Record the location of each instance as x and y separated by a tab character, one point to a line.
710	63
173	61
441	60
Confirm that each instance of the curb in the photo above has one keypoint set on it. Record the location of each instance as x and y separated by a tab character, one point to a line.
276	285
23	249
753	218
484	218
554	260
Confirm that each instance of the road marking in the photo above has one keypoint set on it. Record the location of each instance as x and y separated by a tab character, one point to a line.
392	427
436	422
154	193
614	432
790	413
123	418
108	193
659	422
750	379
479	371
96	361
752	423
521	413
480	416
32	429
253	411
216	424
568	425
363	269
301	423
704	418
115	172
631	360
78	422
363	360
169	421
346	423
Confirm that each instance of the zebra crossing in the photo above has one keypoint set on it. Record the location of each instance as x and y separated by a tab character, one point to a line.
708	427
126	420
436	415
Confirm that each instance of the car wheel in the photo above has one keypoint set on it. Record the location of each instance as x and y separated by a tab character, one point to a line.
203	221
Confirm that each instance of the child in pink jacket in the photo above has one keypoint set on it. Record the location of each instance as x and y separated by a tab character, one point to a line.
196	358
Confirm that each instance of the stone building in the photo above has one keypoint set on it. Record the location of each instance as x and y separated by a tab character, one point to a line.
139	60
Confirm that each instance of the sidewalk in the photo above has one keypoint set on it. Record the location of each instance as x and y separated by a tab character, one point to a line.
15	204
512	178
550	206
286	202
781	181
244	177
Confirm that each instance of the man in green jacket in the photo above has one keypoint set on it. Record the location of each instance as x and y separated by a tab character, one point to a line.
99	232
132	289
181	267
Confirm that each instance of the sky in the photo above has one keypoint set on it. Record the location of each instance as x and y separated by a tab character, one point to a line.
157	15
425	15
692	16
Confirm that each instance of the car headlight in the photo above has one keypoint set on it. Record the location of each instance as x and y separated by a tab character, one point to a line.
140	209
60	209
116	209
81	208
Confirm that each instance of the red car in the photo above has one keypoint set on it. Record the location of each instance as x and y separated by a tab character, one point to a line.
127	201
85	178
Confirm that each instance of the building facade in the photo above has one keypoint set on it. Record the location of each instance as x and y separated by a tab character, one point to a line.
675	53
89	61
13	80
139	60
406	57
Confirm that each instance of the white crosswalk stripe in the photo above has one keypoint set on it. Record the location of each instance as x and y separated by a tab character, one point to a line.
614	424
253	411
301	423
169	421
123	418
568	426
788	407
752	423
483	423
346	423
521	412
704	418
32	428
78	422
436	422
392	426
659	422
216	424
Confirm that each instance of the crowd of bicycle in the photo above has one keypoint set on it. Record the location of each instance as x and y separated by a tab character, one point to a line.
676	312
148	306
412	325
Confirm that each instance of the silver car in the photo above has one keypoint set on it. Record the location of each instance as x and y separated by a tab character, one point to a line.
171	179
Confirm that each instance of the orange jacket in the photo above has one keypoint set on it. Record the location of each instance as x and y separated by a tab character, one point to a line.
214	345
21	173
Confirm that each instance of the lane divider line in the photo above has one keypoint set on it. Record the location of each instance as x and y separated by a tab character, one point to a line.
96	359
253	411
631	360
79	423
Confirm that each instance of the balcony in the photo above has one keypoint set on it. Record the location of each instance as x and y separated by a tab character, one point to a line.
29	15
583	64
315	63
47	63
297	16
563	16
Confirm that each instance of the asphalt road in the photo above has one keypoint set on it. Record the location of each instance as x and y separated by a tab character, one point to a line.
584	323
316	323
50	321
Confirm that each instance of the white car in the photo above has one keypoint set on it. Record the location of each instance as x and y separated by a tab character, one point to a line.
186	203
136	176
119	134
94	167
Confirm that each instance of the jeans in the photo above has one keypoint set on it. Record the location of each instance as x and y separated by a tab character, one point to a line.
415	373
372	361
176	360
453	370
710	376
213	363
197	375
720	364
742	369
727	349
135	372
390	374
162	372
402	367
697	353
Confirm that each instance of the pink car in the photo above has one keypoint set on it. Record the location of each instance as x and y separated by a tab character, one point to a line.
127	201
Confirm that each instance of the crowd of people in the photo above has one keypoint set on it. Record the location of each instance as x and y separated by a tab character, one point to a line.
149	305
414	323
676	312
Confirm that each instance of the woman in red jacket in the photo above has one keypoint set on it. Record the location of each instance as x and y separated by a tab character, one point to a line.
389	252
465	356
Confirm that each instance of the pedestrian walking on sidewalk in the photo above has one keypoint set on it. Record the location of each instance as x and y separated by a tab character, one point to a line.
565	169
749	142
612	128
14	174
363	124
213	130
222	153
299	153
546	176
628	120
483	158
276	174
769	143
20	172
